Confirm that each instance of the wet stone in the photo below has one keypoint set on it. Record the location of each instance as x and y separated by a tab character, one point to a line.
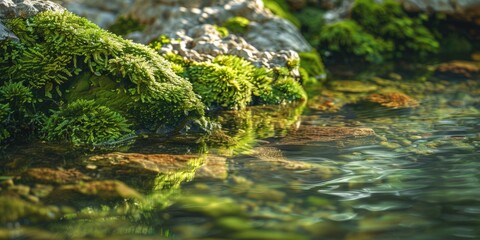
53	176
14	209
100	190
310	134
458	70
352	86
392	100
152	164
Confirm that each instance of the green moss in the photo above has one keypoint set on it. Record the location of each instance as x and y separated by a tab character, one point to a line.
390	22
237	25
65	57
346	39
159	42
312	64
18	114
85	122
220	84
124	25
5	111
222	30
281	9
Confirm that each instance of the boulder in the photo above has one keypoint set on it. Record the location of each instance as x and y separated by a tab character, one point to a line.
193	25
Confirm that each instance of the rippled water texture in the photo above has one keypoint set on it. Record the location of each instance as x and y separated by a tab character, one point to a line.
417	178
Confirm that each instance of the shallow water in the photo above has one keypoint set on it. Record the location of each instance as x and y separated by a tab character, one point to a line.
417	178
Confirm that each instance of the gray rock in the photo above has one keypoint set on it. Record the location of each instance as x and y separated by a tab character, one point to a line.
26	8
6	34
102	13
194	25
464	10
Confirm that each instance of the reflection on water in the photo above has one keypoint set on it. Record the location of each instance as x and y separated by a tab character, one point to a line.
417	178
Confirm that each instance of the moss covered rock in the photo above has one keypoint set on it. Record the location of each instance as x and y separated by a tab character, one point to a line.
63	57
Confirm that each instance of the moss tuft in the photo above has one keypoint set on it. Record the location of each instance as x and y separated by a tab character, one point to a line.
312	64
281	9
346	39
84	122
124	25
237	25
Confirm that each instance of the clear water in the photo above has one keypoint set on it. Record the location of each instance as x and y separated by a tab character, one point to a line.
418	178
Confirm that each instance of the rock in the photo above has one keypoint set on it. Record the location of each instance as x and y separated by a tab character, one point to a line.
309	134
103	13
154	164
458	70
195	26
100	190
14	209
6	34
392	100
26	8
465	10
352	86
53	176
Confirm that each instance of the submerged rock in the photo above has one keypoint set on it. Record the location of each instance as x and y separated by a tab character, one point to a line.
392	100
15	209
458	70
98	190
154	164
310	134
53	176
352	86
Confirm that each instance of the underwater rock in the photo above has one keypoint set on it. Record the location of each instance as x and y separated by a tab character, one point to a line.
352	86
392	100
53	176
107	190
154	164
15	209
309	133
458	70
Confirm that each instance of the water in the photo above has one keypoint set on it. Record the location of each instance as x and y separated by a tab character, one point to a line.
418	177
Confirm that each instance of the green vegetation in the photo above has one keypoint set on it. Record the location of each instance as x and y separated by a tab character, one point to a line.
346	39
234	83
281	9
378	31
124	25
237	25
63	57
311	63
84	122
222	30
65	61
